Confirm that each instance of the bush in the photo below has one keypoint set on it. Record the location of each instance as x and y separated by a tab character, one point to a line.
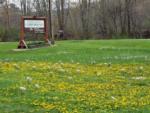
2	33
9	35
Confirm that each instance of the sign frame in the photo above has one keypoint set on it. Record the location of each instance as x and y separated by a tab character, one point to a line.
24	30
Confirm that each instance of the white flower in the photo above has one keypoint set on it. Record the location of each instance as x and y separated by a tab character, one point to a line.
123	70
98	73
70	78
62	70
37	85
61	64
113	97
93	62
23	89
141	68
51	73
33	67
138	78
83	71
72	61
16	66
105	63
78	70
55	98
29	79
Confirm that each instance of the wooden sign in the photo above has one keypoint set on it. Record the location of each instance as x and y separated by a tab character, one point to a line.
33	25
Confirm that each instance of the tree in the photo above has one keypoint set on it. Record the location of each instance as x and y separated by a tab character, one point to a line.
50	19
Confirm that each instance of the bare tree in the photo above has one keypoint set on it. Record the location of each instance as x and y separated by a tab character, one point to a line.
85	19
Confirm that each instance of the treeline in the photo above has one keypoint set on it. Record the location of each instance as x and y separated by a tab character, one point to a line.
80	19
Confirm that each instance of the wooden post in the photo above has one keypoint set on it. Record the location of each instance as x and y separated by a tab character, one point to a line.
22	43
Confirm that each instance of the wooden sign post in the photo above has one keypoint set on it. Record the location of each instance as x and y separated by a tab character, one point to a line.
33	25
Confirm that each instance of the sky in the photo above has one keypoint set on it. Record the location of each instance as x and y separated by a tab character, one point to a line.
17	2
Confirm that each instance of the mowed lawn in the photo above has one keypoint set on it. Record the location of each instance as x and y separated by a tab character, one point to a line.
115	51
95	76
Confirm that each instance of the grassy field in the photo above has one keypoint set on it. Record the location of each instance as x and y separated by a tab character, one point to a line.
107	76
115	51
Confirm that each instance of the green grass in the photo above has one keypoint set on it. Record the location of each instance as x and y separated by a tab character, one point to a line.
92	76
115	51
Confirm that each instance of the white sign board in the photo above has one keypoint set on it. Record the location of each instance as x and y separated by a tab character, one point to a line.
34	23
